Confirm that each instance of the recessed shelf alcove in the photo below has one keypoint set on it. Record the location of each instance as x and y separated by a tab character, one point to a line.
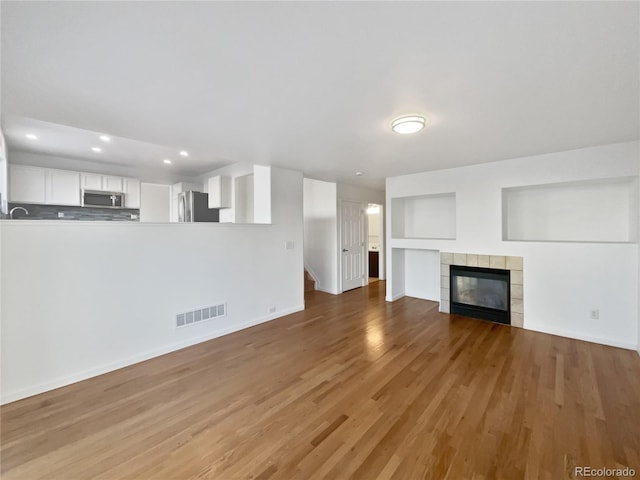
424	216
602	211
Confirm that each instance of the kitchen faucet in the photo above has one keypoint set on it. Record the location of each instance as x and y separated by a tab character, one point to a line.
17	208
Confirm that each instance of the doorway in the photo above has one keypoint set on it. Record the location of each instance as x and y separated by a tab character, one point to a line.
352	245
374	242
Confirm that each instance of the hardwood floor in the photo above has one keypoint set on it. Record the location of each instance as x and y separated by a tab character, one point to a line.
352	387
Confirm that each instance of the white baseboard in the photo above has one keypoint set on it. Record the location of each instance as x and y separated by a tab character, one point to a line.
585	338
395	297
8	397
326	290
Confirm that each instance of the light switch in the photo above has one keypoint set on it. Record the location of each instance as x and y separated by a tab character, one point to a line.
289	244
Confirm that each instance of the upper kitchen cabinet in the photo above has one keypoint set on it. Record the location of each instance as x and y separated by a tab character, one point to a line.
112	184
219	189
26	184
131	188
91	181
104	183
43	185
62	187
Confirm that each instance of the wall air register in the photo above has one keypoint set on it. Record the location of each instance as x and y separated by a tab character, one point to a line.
481	293
200	315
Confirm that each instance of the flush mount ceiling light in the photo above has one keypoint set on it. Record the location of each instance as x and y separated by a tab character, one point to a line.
408	124
359	174
96	149
167	161
184	153
31	136
105	138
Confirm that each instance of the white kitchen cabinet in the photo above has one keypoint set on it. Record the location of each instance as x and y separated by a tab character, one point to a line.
50	186
103	183
43	185
91	181
62	187
26	184
219	189
131	190
112	184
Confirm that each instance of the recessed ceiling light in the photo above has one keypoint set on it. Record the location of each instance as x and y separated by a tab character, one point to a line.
167	161
31	136
105	138
408	124
96	149
184	153
359	174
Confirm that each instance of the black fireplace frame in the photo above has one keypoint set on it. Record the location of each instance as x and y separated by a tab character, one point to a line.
476	311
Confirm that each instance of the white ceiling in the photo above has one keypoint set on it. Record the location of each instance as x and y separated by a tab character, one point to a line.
313	86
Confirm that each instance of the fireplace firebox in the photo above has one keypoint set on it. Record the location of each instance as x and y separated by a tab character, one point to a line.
481	293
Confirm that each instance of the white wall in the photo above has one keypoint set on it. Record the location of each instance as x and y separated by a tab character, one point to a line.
262	194
4	191
396	277
90	297
321	233
360	194
422	274
375	231
562	281
155	202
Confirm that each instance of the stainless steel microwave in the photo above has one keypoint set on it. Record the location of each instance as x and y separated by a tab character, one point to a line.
96	198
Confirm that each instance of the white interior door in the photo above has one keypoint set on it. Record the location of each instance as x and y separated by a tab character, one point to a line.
352	244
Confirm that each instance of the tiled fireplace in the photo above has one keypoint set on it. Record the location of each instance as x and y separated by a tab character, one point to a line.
512	264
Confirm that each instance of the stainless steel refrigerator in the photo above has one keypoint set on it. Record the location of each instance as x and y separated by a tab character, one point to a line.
194	207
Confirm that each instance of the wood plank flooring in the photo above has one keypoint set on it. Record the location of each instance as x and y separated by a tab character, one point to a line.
352	387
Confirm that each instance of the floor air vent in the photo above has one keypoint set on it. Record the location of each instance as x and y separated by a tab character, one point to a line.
200	315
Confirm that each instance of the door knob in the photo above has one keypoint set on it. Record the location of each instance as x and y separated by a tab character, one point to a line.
344	250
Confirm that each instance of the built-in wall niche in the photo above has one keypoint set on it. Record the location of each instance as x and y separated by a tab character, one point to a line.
424	216
604	210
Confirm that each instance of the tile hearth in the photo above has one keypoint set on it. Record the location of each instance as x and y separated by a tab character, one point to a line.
513	264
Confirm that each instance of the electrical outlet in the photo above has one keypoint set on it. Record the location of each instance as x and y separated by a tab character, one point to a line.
595	314
272	309
60	214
